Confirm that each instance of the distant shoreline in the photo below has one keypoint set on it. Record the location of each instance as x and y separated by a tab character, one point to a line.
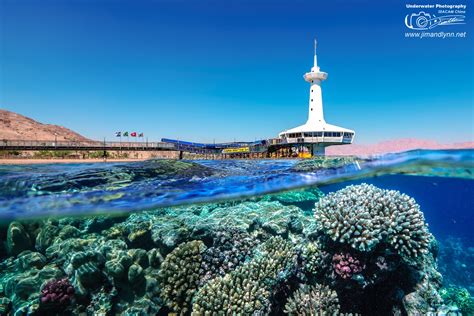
48	161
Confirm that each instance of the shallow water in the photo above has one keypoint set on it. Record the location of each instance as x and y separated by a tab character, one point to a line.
81	189
233	217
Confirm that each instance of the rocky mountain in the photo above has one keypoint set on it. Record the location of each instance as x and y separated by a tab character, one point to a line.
14	126
393	146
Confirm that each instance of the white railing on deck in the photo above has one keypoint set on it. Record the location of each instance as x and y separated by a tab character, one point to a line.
81	144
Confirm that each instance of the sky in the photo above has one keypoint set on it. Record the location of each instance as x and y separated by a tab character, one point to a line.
232	70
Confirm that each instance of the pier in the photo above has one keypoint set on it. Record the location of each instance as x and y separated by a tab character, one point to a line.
33	145
268	148
185	149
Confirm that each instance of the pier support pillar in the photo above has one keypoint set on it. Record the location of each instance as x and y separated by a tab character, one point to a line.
317	150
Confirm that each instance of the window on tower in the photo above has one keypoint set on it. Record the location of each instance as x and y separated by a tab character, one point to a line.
311	100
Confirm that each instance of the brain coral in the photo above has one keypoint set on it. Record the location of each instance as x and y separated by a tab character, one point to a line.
313	300
364	215
179	275
247	289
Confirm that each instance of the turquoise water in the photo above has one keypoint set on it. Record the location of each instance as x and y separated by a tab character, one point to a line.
379	236
80	189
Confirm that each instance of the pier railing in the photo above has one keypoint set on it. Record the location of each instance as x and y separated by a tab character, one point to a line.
265	146
82	145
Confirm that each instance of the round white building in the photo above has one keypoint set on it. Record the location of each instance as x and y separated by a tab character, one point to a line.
316	132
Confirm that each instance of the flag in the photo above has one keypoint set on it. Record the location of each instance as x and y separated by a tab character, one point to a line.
140	135
133	134
125	134
118	134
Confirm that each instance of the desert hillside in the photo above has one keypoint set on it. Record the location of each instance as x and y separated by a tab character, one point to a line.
393	146
14	126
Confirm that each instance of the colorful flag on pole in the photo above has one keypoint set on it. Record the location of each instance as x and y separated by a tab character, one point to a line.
133	134
140	135
118	134
125	134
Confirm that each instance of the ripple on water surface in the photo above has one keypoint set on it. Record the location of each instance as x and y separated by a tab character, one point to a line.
62	189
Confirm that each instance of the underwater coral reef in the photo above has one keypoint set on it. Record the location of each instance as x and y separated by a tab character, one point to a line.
360	250
456	263
324	163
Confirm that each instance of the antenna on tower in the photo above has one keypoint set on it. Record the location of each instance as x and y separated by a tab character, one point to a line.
315	68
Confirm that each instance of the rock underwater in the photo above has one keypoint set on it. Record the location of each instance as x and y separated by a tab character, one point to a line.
364	251
322	163
116	176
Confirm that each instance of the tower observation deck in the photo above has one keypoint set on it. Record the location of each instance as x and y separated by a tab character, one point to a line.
316	133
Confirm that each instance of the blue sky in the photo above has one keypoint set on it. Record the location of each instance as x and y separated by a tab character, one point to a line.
224	70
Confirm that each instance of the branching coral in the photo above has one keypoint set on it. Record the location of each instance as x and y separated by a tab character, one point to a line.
364	215
180	274
57	294
247	289
230	248
314	259
312	301
275	256
346	265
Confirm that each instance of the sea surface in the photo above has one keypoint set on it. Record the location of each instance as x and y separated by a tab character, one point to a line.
162	236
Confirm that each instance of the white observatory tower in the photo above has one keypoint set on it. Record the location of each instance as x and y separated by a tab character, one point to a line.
316	132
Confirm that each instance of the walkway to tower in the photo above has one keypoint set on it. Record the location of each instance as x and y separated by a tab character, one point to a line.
269	148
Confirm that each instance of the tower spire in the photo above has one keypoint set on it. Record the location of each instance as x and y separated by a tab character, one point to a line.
315	68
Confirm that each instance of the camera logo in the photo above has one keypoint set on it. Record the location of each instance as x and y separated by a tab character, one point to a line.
418	21
426	21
